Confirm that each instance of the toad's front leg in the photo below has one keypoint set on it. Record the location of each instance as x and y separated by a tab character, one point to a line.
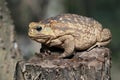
67	45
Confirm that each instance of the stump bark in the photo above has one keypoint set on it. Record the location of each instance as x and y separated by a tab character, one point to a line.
92	65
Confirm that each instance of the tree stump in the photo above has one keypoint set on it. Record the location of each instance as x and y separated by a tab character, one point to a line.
84	65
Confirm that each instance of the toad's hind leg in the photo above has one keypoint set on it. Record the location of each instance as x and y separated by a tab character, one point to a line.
68	45
99	44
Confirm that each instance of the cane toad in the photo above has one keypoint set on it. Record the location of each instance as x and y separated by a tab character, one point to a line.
70	32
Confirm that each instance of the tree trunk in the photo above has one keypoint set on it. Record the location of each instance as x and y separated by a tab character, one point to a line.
9	53
92	65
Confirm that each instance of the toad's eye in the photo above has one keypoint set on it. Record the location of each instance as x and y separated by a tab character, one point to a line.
38	28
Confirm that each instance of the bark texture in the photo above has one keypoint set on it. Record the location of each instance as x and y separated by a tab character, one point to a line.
92	65
9	53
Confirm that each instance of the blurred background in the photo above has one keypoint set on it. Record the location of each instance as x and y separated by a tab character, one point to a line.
107	12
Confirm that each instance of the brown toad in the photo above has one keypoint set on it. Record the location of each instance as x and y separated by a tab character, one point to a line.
70	32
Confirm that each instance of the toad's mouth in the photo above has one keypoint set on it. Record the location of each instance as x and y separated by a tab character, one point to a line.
38	36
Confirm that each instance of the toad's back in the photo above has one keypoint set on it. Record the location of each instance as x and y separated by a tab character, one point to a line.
73	22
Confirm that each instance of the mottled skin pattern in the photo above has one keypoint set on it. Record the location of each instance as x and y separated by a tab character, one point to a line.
70	32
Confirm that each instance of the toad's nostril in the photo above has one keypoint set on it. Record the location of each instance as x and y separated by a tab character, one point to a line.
31	30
